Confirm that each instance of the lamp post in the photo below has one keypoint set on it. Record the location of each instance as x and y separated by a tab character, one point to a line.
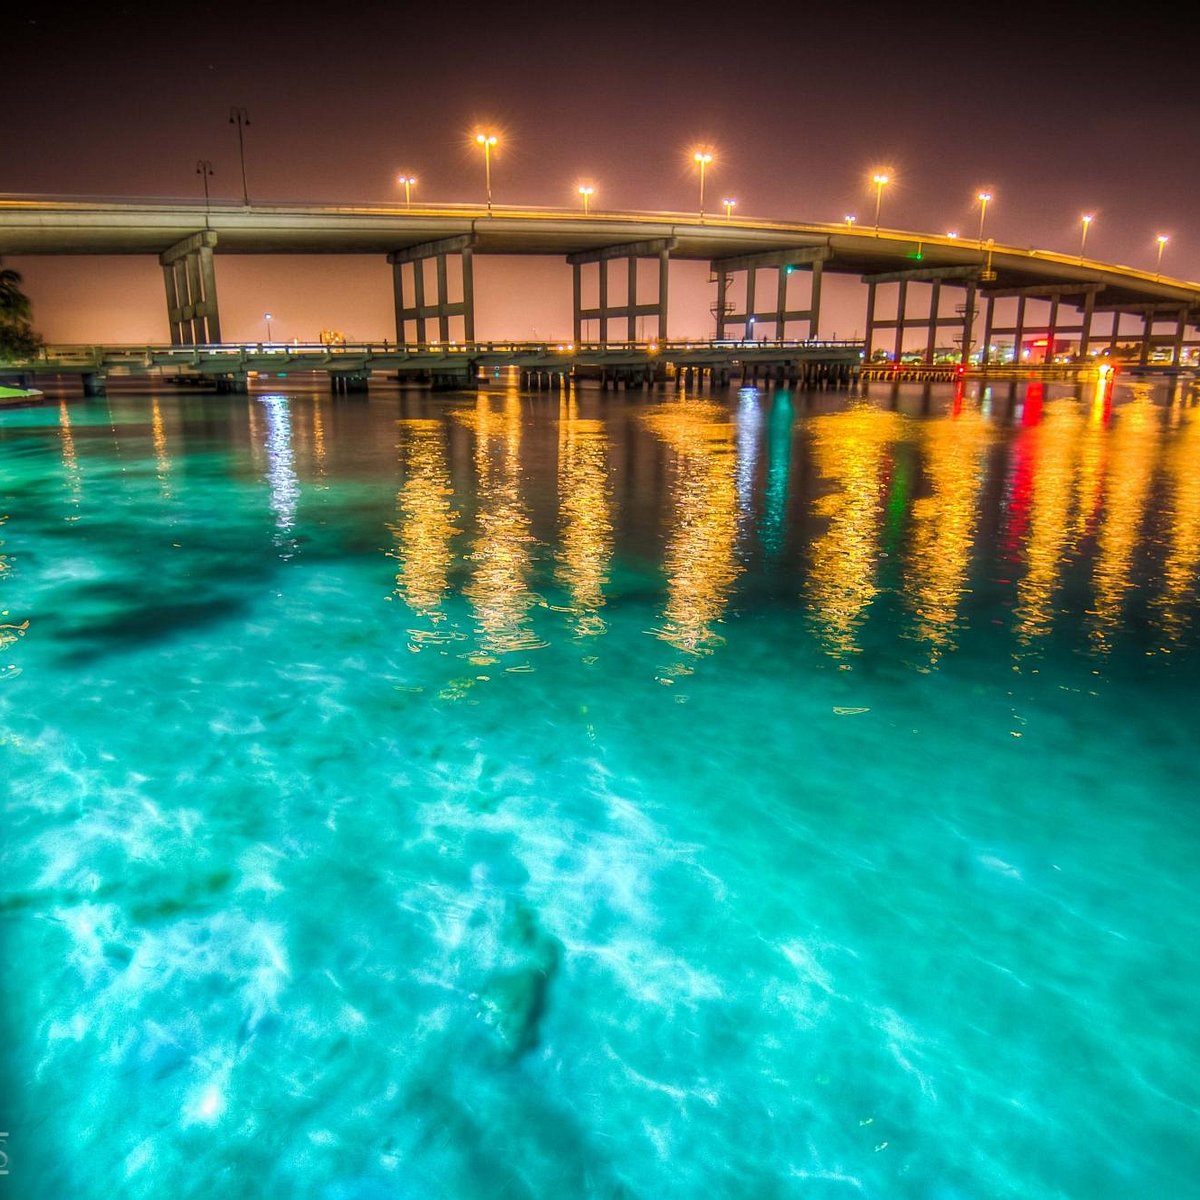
586	191
729	207
204	168
408	181
880	181
703	158
267	318
240	118
487	141
983	199
850	219
1162	241
1087	221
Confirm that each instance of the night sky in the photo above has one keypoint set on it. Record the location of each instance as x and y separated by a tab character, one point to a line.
1057	113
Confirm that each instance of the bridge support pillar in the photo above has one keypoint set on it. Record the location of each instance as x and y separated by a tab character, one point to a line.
753	317
631	310
94	385
962	320
410	262
191	284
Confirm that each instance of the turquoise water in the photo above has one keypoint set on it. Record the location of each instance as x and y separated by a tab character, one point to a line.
618	795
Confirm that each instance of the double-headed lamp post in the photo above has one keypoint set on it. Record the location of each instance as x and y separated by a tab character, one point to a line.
1162	241
587	192
983	198
1086	219
850	219
730	205
408	181
204	168
880	180
487	141
240	118
702	158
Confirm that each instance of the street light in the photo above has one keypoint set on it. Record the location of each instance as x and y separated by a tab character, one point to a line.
408	181
850	219
267	318
204	168
983	199
587	192
240	118
880	181
729	207
1162	241
703	157
487	141
1087	221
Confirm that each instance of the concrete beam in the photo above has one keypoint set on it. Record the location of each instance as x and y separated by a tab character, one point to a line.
926	275
800	257
424	250
188	245
1045	291
650	249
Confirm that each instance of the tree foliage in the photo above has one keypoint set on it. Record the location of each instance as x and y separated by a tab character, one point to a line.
18	340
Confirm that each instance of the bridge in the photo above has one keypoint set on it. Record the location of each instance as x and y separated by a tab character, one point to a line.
920	286
538	365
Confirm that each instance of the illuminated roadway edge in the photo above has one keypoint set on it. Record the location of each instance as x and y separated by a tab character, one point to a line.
61	226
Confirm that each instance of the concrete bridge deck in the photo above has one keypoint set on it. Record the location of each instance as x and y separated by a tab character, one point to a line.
58	226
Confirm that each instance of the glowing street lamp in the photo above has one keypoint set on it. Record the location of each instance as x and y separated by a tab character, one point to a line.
408	181
1162	241
1087	221
952	233
850	219
880	181
703	158
729	207
267	318
983	199
240	118
487	141
587	192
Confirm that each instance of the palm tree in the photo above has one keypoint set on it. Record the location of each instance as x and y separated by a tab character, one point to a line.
14	304
17	338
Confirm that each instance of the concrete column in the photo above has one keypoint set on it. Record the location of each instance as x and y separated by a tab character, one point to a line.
1147	329
750	274
664	273
398	300
208	283
193	278
577	299
1177	345
443	298
1019	332
722	290
631	299
935	300
901	305
468	291
780	302
814	321
603	265
1085	325
173	305
419	301
968	323
985	351
1053	326
870	323
1115	337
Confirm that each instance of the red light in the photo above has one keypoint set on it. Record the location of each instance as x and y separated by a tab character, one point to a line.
1040	342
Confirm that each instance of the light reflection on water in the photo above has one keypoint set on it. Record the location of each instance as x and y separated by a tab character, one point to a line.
394	864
